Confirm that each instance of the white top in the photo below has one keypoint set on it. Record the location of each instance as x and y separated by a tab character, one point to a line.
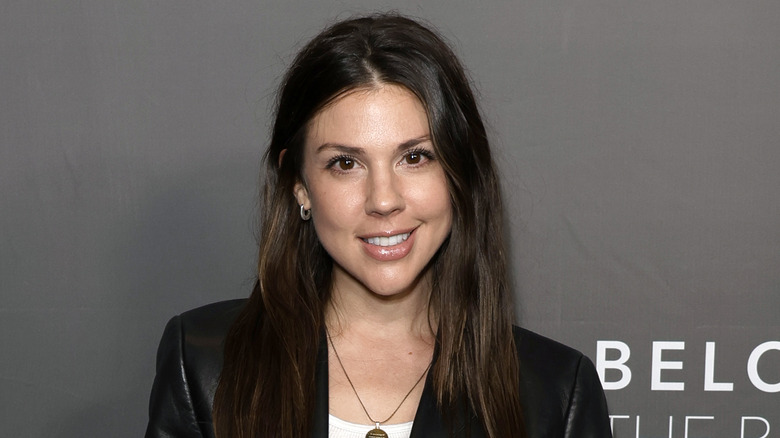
338	428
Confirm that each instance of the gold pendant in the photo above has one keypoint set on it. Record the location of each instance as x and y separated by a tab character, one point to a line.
376	433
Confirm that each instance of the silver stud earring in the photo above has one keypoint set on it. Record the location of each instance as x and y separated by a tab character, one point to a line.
305	214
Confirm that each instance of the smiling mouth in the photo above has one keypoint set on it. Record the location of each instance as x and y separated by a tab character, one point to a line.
387	241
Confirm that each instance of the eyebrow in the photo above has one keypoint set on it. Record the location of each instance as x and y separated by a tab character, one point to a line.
352	150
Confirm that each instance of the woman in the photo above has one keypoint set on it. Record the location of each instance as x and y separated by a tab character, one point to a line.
382	304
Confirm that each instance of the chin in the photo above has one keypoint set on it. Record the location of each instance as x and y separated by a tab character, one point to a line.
391	286
390	292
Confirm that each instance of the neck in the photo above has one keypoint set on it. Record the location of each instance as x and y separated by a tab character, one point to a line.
355	309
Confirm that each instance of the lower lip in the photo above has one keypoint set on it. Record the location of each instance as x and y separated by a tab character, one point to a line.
389	253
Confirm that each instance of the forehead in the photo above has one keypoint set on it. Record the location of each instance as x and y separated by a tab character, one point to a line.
382	115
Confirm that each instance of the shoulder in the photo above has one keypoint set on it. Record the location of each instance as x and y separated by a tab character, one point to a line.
189	362
211	321
202	336
560	389
544	358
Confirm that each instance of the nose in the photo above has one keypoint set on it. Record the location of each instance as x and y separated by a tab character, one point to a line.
384	194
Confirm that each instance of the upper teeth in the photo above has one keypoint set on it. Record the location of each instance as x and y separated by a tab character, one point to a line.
387	241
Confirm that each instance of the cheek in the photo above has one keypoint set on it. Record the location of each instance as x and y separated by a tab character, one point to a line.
433	199
335	207
445	209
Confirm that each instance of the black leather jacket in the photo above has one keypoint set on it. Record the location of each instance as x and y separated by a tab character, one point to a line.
560	390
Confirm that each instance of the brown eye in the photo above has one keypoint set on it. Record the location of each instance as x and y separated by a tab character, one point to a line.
346	164
414	158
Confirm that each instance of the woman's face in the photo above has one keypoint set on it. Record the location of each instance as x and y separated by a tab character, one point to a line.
378	195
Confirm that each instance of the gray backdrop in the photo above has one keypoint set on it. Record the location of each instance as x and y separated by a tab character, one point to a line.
638	141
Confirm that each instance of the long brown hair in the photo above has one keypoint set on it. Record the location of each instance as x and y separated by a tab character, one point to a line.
267	381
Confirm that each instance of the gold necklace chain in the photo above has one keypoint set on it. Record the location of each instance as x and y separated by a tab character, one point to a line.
355	390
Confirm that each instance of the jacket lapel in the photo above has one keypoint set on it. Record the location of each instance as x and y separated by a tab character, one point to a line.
427	421
320	429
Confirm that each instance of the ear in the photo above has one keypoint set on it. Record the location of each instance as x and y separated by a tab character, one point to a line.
302	195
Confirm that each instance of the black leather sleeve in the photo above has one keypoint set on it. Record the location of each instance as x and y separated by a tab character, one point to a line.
171	412
189	362
560	390
587	415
